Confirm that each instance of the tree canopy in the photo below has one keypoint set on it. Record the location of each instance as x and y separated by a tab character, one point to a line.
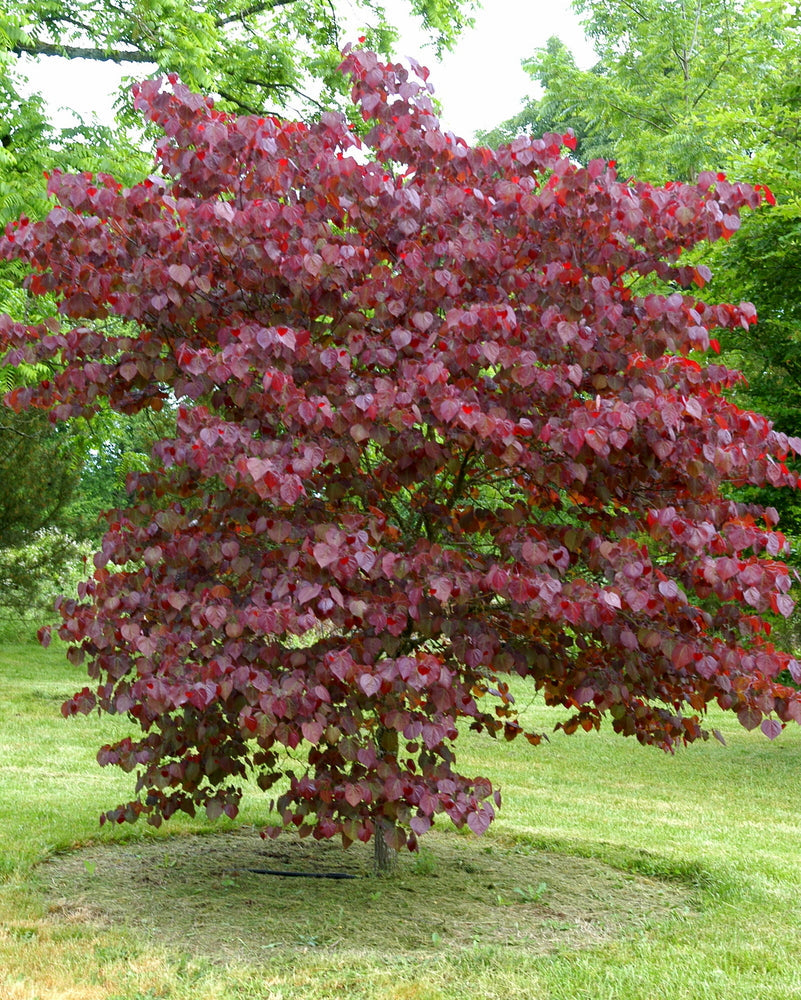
429	440
685	87
255	55
34	460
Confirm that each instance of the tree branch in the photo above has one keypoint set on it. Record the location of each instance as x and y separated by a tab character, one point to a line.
640	118
265	85
249	109
460	478
637	11
710	81
254	8
80	52
694	41
6	429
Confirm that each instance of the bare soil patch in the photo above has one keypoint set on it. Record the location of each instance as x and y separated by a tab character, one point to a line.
195	894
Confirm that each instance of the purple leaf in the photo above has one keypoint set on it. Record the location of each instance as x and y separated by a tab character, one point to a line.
771	728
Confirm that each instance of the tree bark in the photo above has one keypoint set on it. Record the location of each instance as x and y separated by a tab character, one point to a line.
385	858
35	48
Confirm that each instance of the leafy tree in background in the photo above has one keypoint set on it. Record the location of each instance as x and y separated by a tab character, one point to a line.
36	461
115	445
257	55
32	146
55	484
428	439
552	112
680	87
41	475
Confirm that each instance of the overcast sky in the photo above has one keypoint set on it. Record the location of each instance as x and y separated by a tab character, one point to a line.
479	84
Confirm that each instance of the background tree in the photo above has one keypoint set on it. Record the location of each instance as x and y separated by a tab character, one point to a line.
428	439
36	460
257	55
554	111
680	87
41	467
114	446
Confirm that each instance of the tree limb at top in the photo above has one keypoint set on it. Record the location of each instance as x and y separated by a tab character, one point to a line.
35	48
255	8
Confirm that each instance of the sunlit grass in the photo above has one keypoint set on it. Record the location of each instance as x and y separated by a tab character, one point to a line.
709	806
721	824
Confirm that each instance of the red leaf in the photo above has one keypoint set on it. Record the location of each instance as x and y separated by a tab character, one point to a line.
750	718
325	554
420	824
422	320
782	604
353	795
180	273
370	684
312	730
215	615
479	820
214	809
258	468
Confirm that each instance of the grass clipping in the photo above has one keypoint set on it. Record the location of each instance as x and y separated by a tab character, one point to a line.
195	893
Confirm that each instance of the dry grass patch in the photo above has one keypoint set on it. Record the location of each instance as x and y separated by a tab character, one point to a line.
195	894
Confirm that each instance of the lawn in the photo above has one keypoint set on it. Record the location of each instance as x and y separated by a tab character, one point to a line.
613	871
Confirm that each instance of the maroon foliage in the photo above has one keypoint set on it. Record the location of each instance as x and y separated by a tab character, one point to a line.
430	436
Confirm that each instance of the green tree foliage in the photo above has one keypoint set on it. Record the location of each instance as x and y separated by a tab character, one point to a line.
115	446
30	146
553	111
255	54
35	460
32	575
39	473
679	87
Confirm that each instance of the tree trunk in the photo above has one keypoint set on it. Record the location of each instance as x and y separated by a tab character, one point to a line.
385	858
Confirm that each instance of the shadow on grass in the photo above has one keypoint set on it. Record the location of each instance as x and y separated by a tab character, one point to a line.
196	894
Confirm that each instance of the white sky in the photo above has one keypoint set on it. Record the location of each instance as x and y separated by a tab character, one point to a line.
479	84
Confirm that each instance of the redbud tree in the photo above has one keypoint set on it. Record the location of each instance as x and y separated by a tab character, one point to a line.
441	423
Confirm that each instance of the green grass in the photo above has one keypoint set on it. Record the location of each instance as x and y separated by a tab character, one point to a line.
720	827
